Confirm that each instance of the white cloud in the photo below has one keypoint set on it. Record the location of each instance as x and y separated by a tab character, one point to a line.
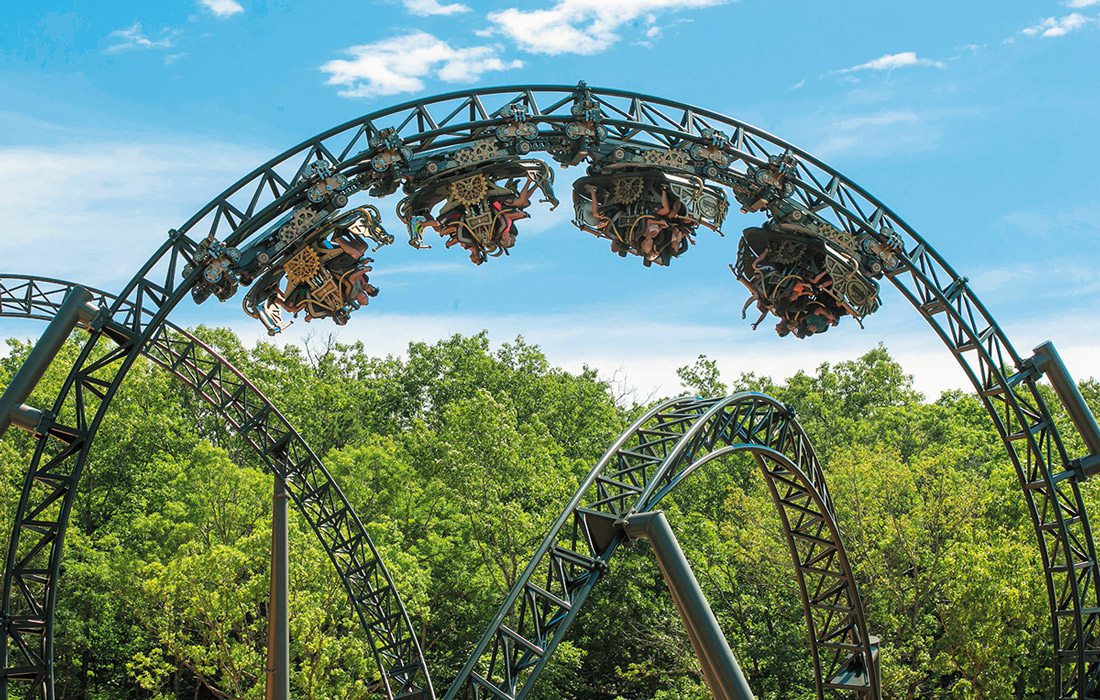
893	61
876	134
114	215
583	26
399	64
223	8
1078	4
888	118
653	30
1059	26
606	338
426	8
1077	223
132	38
855	130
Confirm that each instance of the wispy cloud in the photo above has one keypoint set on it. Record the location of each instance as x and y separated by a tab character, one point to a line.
400	64
429	268
121	213
893	61
1035	282
605	338
223	8
854	129
1052	27
134	38
427	8
1074	223
892	130
584	27
880	119
1078	4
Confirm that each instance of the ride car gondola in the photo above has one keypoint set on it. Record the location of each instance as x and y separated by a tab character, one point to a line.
478	205
325	270
807	282
647	212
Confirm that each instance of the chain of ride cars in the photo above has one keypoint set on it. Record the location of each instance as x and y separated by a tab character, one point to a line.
648	199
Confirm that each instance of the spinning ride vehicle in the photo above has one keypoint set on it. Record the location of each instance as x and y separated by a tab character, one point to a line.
480	205
325	272
809	283
647	211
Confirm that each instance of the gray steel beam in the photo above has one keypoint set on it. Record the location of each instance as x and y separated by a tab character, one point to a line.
278	607
1049	362
23	416
720	669
76	308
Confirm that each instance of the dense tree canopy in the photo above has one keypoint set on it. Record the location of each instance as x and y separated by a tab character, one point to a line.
457	456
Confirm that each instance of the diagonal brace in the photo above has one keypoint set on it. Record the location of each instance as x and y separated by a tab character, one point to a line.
720	669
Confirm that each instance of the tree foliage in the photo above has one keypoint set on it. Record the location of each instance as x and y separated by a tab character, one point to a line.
457	456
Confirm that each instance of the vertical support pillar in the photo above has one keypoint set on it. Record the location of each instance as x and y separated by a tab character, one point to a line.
720	669
278	606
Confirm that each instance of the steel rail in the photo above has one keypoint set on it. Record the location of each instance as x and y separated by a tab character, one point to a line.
247	411
648	461
1005	382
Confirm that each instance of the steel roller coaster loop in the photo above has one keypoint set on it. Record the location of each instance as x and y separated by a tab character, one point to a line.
698	154
785	456
645	464
245	410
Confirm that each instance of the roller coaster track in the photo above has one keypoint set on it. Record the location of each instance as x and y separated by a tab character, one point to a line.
757	423
1004	381
246	411
644	465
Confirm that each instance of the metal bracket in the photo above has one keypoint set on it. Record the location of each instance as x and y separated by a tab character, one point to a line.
1047	361
1085	466
76	308
602	529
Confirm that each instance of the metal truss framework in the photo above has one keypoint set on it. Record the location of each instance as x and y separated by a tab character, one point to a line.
644	465
1005	382
784	454
246	411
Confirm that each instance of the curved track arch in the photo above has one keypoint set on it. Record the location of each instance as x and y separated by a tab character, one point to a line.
644	465
1005	382
829	595
246	410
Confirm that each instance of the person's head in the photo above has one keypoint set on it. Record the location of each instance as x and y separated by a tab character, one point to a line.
816	322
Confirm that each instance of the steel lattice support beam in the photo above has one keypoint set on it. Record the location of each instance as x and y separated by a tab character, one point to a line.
247	412
643	466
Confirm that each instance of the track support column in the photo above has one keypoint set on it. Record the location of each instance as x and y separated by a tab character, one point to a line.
1049	362
278	606
720	669
77	308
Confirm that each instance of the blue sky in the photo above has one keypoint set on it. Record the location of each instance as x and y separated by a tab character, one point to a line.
976	121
